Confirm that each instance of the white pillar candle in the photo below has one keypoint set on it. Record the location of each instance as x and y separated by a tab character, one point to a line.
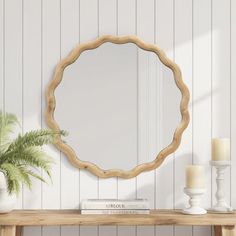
195	176
220	149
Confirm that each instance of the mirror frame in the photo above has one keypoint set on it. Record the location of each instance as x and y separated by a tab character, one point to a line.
51	105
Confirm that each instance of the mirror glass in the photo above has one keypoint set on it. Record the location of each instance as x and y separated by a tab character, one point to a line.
120	105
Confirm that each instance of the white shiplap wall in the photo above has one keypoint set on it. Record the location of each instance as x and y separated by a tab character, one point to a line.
199	35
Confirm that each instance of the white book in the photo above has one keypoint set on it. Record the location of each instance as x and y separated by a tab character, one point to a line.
114	212
115	204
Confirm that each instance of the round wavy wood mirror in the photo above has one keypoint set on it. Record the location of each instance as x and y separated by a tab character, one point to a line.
123	103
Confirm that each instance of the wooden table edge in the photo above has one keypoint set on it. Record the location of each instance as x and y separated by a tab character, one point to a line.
73	217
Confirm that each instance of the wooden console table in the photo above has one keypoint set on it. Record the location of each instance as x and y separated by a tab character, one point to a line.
12	223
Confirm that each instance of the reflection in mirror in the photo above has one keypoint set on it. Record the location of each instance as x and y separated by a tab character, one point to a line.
120	105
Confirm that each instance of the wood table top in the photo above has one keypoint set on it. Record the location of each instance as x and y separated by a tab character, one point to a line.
73	217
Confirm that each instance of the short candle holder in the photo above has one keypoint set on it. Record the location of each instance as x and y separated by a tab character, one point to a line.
194	201
221	206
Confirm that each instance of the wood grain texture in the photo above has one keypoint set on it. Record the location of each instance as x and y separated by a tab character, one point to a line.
18	231
73	217
224	230
217	230
228	230
8	230
51	105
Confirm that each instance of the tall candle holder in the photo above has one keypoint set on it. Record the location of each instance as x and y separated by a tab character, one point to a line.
194	201
221	205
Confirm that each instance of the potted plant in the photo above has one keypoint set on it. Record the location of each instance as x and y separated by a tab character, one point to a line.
21	159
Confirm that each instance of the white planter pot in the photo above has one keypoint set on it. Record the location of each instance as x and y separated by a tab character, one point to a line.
7	202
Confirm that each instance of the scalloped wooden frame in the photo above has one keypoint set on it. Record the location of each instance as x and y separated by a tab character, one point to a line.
70	153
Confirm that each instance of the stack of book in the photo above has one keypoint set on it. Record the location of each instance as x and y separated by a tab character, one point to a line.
114	206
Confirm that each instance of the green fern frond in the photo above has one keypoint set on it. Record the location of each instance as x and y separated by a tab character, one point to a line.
19	158
35	138
15	175
32	156
33	174
7	124
36	157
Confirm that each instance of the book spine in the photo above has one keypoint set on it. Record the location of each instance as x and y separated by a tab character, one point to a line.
114	205
114	212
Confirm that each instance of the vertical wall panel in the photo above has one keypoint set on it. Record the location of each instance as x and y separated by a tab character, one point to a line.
2	52
51	195
221	78
146	180
32	88
88	31
32	85
51	56
13	64
107	25
107	17
126	17
183	57
69	39
233	103
126	25
88	20
201	96
165	40
69	174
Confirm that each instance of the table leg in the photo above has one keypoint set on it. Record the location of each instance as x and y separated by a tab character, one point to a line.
224	230
18	230
217	230
8	230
